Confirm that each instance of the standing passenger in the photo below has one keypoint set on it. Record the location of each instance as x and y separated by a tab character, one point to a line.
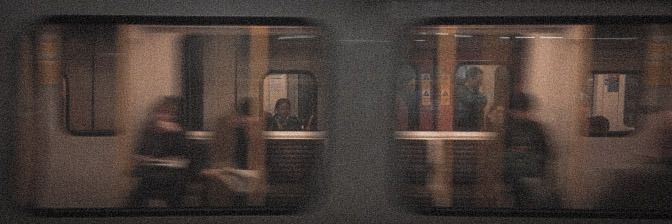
470	102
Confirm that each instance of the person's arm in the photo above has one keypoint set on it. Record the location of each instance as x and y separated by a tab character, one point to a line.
476	99
480	100
293	124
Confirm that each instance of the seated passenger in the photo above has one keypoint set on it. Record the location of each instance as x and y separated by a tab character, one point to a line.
282	120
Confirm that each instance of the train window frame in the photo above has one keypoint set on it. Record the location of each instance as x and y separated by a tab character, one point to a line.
436	100
438	135
64	89
67	88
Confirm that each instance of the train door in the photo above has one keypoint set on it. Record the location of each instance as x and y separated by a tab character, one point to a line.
452	159
278	72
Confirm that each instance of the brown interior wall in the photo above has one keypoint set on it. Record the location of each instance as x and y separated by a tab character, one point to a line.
219	69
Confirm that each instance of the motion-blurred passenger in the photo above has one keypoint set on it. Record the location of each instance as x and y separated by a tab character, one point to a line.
238	160
282	120
470	102
526	157
161	156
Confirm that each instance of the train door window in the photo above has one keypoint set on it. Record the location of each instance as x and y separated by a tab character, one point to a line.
616	86
88	67
289	102
615	104
253	77
187	99
459	96
502	115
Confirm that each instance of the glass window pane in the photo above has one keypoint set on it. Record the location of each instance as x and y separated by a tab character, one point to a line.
290	102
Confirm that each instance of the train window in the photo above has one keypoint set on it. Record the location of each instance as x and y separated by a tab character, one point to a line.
280	90
190	101
615	104
503	117
88	63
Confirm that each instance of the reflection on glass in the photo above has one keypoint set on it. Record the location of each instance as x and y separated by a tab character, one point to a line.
176	121
505	116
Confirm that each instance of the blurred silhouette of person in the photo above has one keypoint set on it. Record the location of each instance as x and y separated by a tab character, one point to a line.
282	120
526	156
470	101
161	157
238	157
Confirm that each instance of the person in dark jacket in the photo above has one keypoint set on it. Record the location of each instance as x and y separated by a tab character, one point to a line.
470	102
161	157
525	156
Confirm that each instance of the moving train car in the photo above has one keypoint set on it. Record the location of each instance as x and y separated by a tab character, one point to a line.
336	111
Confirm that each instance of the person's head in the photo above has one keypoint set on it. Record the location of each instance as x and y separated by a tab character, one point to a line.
473	77
167	109
283	107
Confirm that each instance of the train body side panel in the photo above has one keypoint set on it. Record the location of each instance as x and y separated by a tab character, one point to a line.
83	171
